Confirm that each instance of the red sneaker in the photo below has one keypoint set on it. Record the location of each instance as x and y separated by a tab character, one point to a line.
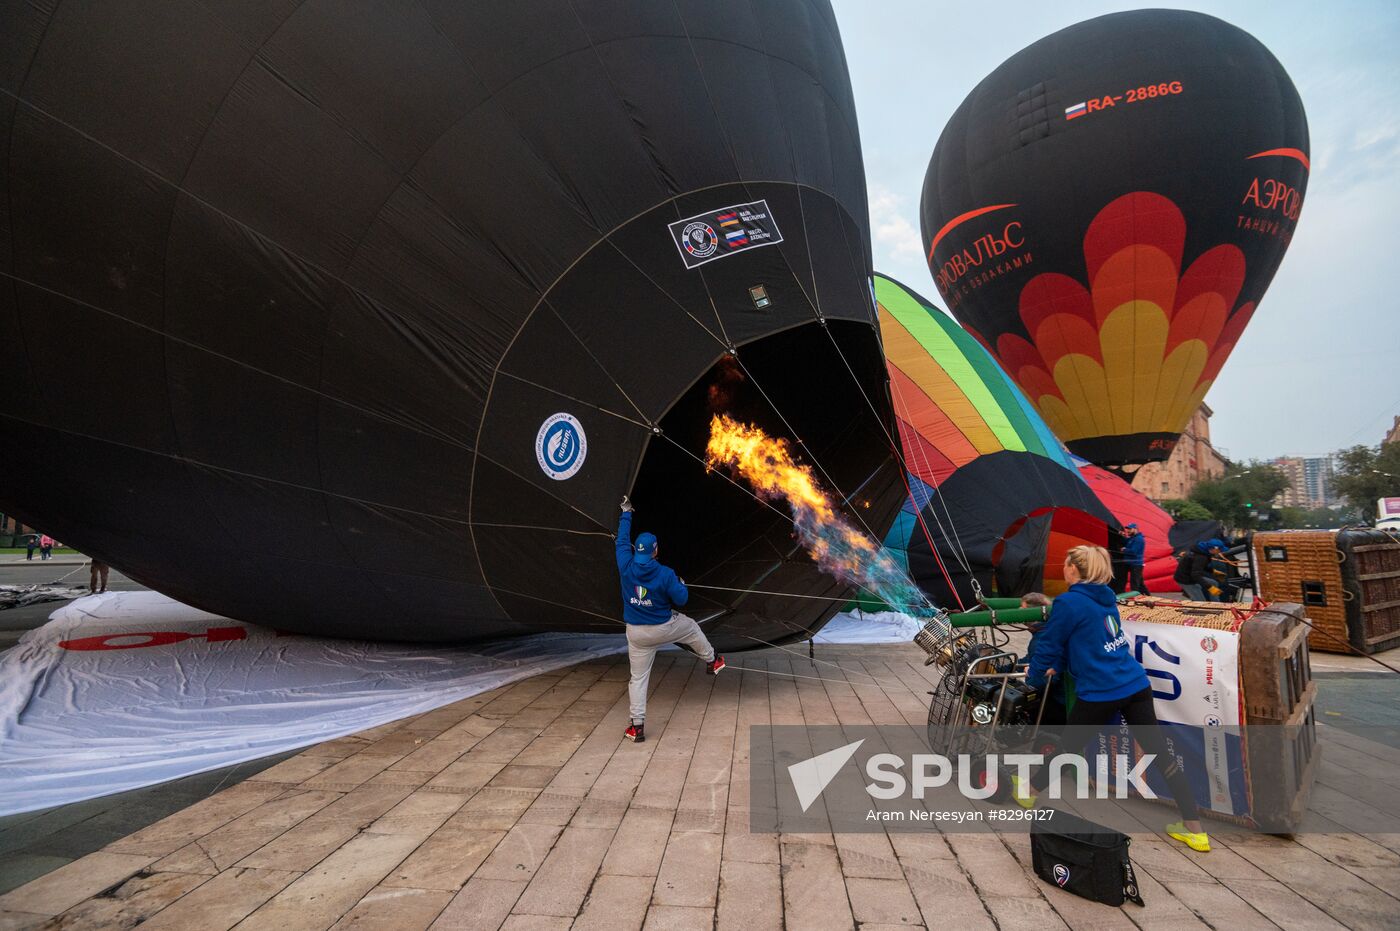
634	733
716	666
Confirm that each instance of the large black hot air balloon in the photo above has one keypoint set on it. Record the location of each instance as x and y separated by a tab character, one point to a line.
1105	211
360	318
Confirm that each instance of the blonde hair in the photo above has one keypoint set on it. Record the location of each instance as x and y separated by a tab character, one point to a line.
1092	563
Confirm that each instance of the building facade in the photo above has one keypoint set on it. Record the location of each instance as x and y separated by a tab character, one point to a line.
1317	481
1294	496
1192	461
1393	434
1309	481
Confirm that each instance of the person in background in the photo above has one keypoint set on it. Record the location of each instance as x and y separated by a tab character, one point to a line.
1134	553
1053	715
1190	564
1084	637
1221	570
650	591
32	541
98	573
45	546
1035	600
1193	572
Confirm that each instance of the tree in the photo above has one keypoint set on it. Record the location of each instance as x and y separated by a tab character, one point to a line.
1243	497
1186	509
1291	518
1365	474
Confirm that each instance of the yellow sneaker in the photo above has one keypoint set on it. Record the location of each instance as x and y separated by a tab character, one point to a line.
1198	842
1020	792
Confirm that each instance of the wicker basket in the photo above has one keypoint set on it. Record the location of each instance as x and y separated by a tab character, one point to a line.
1347	580
1278	690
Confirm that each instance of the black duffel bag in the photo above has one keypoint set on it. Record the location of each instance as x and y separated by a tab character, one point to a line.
1085	858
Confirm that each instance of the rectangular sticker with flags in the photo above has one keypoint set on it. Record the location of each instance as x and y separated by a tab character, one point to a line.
1077	110
706	237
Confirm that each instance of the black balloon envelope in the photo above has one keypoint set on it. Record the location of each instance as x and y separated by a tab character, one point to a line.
1105	211
359	319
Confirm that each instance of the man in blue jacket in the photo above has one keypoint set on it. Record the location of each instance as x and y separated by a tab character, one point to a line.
650	591
1134	553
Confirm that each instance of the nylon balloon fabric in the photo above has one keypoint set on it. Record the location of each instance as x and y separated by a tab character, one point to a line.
1105	212
1131	506
360	319
992	495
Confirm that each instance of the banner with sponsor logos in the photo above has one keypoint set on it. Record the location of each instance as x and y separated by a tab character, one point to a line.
715	234
1195	677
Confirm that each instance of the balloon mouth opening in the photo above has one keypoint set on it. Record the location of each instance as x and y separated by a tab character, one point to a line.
795	385
1124	453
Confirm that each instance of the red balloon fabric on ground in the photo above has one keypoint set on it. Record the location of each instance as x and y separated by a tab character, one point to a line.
1131	506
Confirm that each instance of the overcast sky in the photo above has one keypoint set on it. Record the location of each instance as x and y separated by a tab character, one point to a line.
1319	366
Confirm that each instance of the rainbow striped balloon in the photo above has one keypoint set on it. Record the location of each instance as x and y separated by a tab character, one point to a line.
992	493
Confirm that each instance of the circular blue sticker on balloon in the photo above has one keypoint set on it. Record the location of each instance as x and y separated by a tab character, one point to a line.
561	446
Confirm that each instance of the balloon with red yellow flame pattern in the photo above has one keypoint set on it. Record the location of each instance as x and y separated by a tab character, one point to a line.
1105	211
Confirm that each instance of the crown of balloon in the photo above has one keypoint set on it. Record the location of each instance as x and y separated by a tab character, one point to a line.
1136	351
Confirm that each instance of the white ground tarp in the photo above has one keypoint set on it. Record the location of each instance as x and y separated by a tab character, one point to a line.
856	627
129	689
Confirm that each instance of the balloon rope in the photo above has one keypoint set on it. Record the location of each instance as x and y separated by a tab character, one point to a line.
284	483
165	334
212	208
899	456
956	541
748	491
766	643
758	591
918	512
601	410
582	533
1353	651
827	475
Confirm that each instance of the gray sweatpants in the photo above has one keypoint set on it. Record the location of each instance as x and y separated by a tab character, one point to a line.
643	640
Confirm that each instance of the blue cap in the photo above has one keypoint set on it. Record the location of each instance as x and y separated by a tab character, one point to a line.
645	548
1132	526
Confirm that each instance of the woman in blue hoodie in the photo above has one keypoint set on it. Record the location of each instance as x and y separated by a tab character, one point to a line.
1084	637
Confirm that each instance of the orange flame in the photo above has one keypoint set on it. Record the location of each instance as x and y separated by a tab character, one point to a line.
768	464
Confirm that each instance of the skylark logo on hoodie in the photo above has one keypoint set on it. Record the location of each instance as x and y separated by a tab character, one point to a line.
640	599
1115	632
